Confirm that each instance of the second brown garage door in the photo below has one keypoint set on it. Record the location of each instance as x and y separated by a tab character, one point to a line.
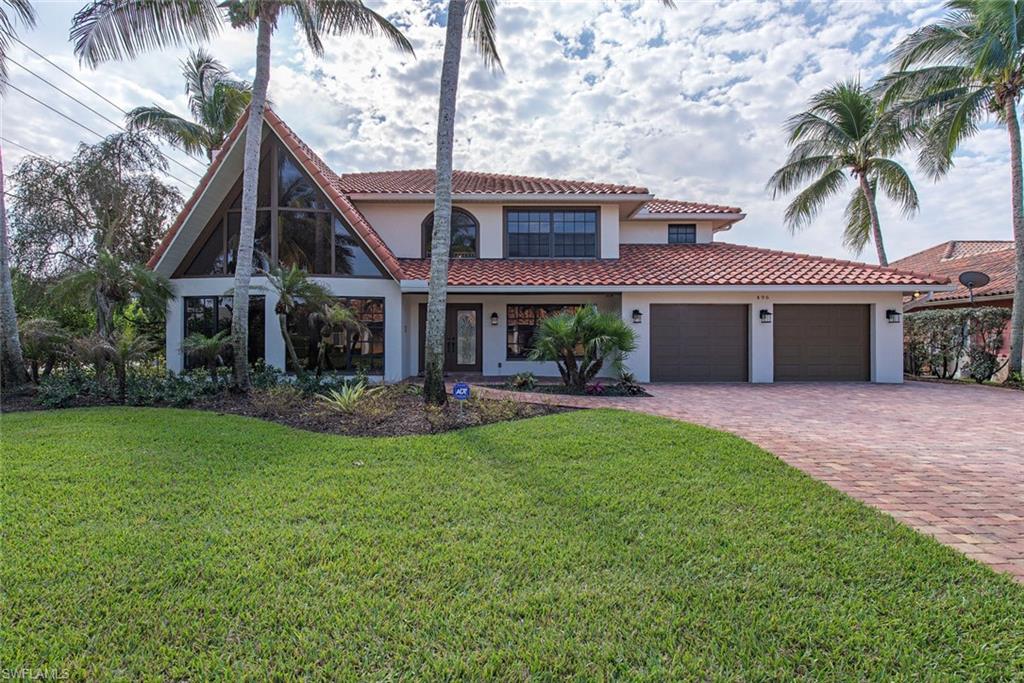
818	342
699	343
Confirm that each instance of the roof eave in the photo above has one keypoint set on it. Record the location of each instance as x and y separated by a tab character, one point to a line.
421	286
544	197
645	215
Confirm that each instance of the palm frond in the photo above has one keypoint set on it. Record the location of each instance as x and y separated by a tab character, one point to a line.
798	171
955	122
483	31
895	182
808	125
945	42
21	10
202	72
805	206
192	138
857	233
106	30
341	17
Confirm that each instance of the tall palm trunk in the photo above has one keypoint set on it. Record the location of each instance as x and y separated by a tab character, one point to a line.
250	180
13	369
437	297
876	227
289	345
1017	203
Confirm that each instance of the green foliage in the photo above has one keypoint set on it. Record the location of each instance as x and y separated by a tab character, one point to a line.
62	388
208	349
522	381
263	376
629	386
346	398
42	342
589	545
600	336
937	340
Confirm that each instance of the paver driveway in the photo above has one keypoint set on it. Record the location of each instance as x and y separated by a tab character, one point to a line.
946	459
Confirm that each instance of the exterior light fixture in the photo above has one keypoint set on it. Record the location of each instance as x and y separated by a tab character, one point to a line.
494	319
637	316
893	316
765	315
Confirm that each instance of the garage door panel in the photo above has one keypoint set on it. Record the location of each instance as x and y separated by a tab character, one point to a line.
822	342
699	343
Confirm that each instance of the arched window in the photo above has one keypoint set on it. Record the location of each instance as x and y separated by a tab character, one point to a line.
465	231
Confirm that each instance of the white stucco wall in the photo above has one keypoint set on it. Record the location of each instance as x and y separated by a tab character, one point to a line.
275	347
656	232
886	337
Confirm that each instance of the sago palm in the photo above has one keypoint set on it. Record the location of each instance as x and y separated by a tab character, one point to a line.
12	363
294	288
106	30
845	133
215	100
207	349
955	74
42	341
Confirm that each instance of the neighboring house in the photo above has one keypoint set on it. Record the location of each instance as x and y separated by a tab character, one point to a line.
995	258
525	248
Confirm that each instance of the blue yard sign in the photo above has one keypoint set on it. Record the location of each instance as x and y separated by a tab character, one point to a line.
460	390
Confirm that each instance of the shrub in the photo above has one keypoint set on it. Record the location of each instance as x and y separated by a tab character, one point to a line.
263	376
629	386
936	341
523	381
59	390
346	398
595	389
581	342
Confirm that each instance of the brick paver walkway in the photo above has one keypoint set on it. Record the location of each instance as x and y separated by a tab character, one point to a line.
946	459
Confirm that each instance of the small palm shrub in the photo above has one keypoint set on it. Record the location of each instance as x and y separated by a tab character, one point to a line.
208	349
580	343
523	381
346	398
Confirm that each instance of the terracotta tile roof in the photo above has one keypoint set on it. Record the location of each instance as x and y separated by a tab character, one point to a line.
421	181
995	258
676	206
313	165
717	263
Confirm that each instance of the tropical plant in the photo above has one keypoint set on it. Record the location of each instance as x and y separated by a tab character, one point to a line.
42	341
846	133
482	31
208	349
92	350
581	342
106	30
953	75
215	100
334	318
122	351
111	284
347	397
294	288
12	362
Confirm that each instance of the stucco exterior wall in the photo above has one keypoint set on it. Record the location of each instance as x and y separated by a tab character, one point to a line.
886	337
656	232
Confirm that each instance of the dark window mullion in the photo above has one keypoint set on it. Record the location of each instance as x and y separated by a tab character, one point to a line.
275	232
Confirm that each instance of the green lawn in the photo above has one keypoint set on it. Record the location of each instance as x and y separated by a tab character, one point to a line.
147	543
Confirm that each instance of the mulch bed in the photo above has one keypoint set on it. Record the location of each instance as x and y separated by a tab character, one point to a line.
609	390
395	410
1017	386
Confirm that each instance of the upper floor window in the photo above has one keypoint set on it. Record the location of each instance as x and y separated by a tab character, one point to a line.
551	233
295	225
683	233
465	233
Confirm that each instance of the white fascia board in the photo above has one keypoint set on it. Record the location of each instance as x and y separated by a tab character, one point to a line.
545	198
928	302
645	215
409	286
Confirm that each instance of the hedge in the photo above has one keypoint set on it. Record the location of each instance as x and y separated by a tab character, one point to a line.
940	342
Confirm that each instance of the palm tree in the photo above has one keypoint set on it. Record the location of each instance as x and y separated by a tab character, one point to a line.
42	340
12	363
482	30
215	99
955	74
110	284
123	350
846	132
601	336
294	288
208	349
113	30
333	317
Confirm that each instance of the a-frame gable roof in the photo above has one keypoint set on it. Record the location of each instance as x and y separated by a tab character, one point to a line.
322	175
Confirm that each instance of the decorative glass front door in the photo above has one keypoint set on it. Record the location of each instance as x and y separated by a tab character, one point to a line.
463	338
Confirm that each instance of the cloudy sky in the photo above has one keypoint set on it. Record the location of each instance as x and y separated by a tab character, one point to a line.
687	102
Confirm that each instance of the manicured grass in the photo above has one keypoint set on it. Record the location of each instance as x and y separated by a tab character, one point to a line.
147	543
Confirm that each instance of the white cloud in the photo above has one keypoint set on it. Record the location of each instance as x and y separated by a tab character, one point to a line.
688	102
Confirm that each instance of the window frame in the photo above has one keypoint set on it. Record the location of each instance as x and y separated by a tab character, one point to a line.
425	235
692	226
506	210
276	148
524	355
338	298
217	298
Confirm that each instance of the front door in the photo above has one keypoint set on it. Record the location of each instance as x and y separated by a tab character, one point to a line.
463	337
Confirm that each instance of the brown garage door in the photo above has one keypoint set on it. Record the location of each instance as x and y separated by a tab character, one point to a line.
822	343
699	343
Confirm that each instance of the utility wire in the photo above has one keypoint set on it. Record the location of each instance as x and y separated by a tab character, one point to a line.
86	106
17	144
78	123
70	75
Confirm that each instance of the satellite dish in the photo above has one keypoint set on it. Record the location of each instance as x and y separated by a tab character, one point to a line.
973	278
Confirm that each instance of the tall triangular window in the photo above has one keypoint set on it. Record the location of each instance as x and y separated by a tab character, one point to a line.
295	225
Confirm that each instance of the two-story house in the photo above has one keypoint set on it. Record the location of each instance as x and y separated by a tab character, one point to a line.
523	248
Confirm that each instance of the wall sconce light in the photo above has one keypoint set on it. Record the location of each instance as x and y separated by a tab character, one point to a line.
893	316
765	315
637	316
494	319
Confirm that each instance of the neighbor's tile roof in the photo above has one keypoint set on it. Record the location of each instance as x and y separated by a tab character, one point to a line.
313	165
676	206
995	258
717	263
421	181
